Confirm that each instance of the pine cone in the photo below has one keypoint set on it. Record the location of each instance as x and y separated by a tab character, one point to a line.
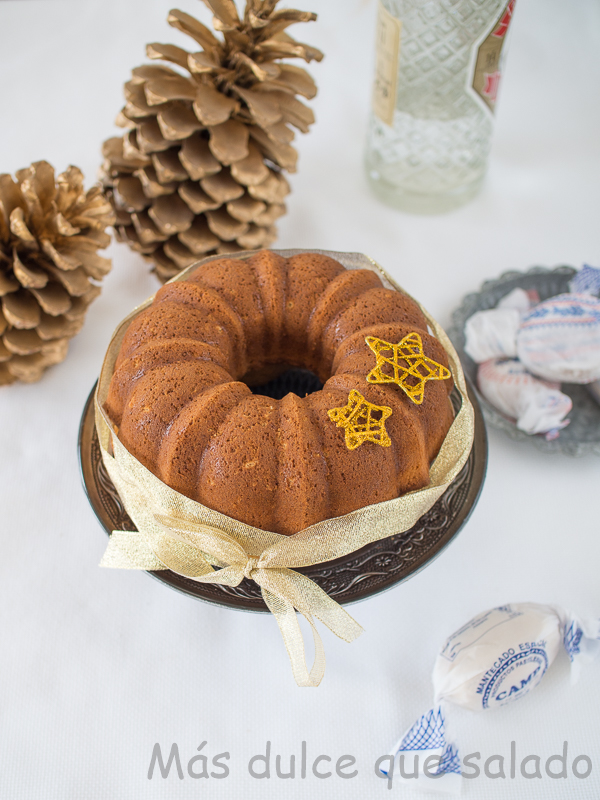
49	234
199	170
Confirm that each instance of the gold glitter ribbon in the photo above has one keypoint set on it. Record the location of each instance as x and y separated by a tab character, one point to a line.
176	533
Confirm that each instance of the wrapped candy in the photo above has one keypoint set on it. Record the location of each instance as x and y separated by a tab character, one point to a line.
496	658
537	406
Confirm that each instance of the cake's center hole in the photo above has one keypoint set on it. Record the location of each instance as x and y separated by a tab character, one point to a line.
290	379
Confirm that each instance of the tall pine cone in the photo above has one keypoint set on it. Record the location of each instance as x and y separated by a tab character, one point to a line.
199	170
49	234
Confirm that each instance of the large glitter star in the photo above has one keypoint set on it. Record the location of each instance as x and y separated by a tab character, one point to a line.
411	368
360	424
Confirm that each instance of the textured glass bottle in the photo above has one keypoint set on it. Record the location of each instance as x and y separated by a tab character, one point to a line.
437	75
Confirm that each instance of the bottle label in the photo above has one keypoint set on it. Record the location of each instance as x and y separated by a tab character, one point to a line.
387	49
489	58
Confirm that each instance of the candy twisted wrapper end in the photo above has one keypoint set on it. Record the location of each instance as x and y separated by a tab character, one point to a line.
424	757
177	533
581	640
492	334
586	281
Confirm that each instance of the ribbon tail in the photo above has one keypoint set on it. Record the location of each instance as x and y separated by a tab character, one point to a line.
285	614
129	550
284	591
310	600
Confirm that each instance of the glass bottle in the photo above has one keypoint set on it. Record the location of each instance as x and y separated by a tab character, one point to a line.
437	73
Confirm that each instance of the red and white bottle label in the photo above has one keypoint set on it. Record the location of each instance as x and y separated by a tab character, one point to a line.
489	58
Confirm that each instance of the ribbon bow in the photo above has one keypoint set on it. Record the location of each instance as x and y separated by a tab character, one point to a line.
192	549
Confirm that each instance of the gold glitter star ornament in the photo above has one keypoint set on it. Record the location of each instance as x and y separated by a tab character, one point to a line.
411	368
361	421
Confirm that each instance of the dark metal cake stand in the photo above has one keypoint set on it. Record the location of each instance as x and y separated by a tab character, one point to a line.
367	571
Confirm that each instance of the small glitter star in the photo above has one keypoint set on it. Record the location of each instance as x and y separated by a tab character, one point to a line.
411	367
360	423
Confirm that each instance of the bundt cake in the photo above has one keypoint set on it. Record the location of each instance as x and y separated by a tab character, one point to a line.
181	403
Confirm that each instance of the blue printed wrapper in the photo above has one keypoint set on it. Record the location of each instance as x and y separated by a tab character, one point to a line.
496	658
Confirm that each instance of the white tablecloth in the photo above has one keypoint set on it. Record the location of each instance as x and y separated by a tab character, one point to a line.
96	666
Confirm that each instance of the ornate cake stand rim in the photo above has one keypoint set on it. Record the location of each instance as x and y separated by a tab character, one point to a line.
479	456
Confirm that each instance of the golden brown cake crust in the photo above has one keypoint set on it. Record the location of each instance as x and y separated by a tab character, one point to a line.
181	406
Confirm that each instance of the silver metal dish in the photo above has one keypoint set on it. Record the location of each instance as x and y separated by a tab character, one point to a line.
582	436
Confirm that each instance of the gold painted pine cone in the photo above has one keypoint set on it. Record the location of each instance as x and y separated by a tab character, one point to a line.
50	231
200	167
